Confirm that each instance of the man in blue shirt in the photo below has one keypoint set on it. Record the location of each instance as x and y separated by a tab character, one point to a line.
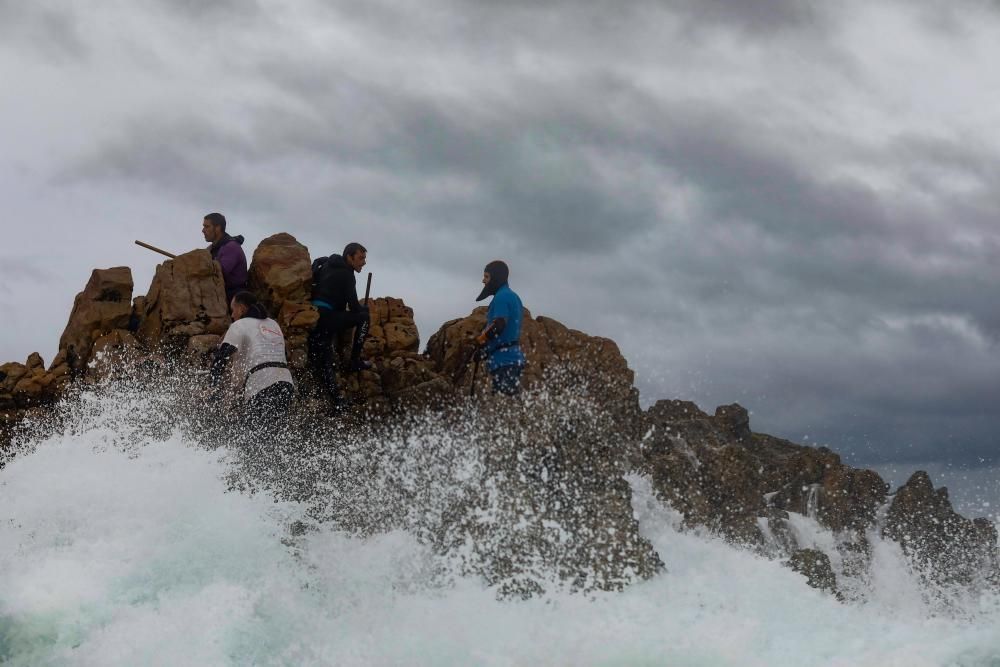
500	341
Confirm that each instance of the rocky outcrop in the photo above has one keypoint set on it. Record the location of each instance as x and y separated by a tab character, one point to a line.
945	546
103	306
815	566
720	474
704	469
186	298
814	482
556	355
562	472
281	277
27	385
546	495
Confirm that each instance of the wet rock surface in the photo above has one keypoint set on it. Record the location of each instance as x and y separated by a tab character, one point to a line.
945	546
720	474
815	566
103	306
281	277
186	298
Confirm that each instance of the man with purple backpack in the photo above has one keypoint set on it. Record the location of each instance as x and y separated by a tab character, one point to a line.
227	251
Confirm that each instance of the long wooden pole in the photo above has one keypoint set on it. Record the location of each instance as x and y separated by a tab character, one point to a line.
368	293
155	249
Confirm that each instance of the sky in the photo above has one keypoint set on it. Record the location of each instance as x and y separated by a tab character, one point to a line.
790	205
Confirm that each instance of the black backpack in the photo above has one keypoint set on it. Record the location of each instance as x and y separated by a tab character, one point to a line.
317	268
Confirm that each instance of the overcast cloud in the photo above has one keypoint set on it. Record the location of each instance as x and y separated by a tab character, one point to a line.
785	204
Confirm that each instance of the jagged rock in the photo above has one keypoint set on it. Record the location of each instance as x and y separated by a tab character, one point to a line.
945	546
696	464
815	566
61	371
35	362
554	501
814	482
555	354
33	389
405	370
10	374
280	272
8	419
281	277
203	344
717	473
102	306
186	298
850	498
433	394
26	385
138	313
112	353
736	420
392	328
392	344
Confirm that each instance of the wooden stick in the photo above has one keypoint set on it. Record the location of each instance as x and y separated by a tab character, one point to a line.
368	291
475	372
155	249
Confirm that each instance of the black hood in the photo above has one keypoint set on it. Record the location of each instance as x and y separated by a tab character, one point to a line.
226	238
499	273
257	311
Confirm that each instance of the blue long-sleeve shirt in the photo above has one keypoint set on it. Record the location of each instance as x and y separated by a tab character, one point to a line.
506	304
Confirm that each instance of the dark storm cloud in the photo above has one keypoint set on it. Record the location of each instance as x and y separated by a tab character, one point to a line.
530	173
753	15
44	28
750	16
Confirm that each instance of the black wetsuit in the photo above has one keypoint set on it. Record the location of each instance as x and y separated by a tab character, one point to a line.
335	296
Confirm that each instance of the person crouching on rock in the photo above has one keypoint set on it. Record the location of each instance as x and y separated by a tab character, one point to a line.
255	344
335	296
499	342
227	251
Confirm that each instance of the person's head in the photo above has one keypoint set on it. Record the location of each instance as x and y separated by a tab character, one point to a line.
213	227
495	276
244	304
356	255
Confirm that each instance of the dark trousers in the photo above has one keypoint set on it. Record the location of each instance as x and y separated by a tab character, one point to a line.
269	406
507	380
322	359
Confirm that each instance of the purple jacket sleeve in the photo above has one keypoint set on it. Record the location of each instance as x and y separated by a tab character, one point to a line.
233	263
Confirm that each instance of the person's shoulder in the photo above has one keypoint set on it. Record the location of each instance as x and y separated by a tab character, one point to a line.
236	332
242	325
270	325
507	295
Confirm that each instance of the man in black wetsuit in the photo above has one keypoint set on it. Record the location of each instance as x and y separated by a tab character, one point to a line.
335	296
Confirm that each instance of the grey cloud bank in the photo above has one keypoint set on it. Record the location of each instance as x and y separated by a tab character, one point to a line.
769	203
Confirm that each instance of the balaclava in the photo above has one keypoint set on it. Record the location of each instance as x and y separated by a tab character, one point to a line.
498	273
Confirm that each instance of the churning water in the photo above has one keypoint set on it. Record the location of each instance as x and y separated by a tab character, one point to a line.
127	545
